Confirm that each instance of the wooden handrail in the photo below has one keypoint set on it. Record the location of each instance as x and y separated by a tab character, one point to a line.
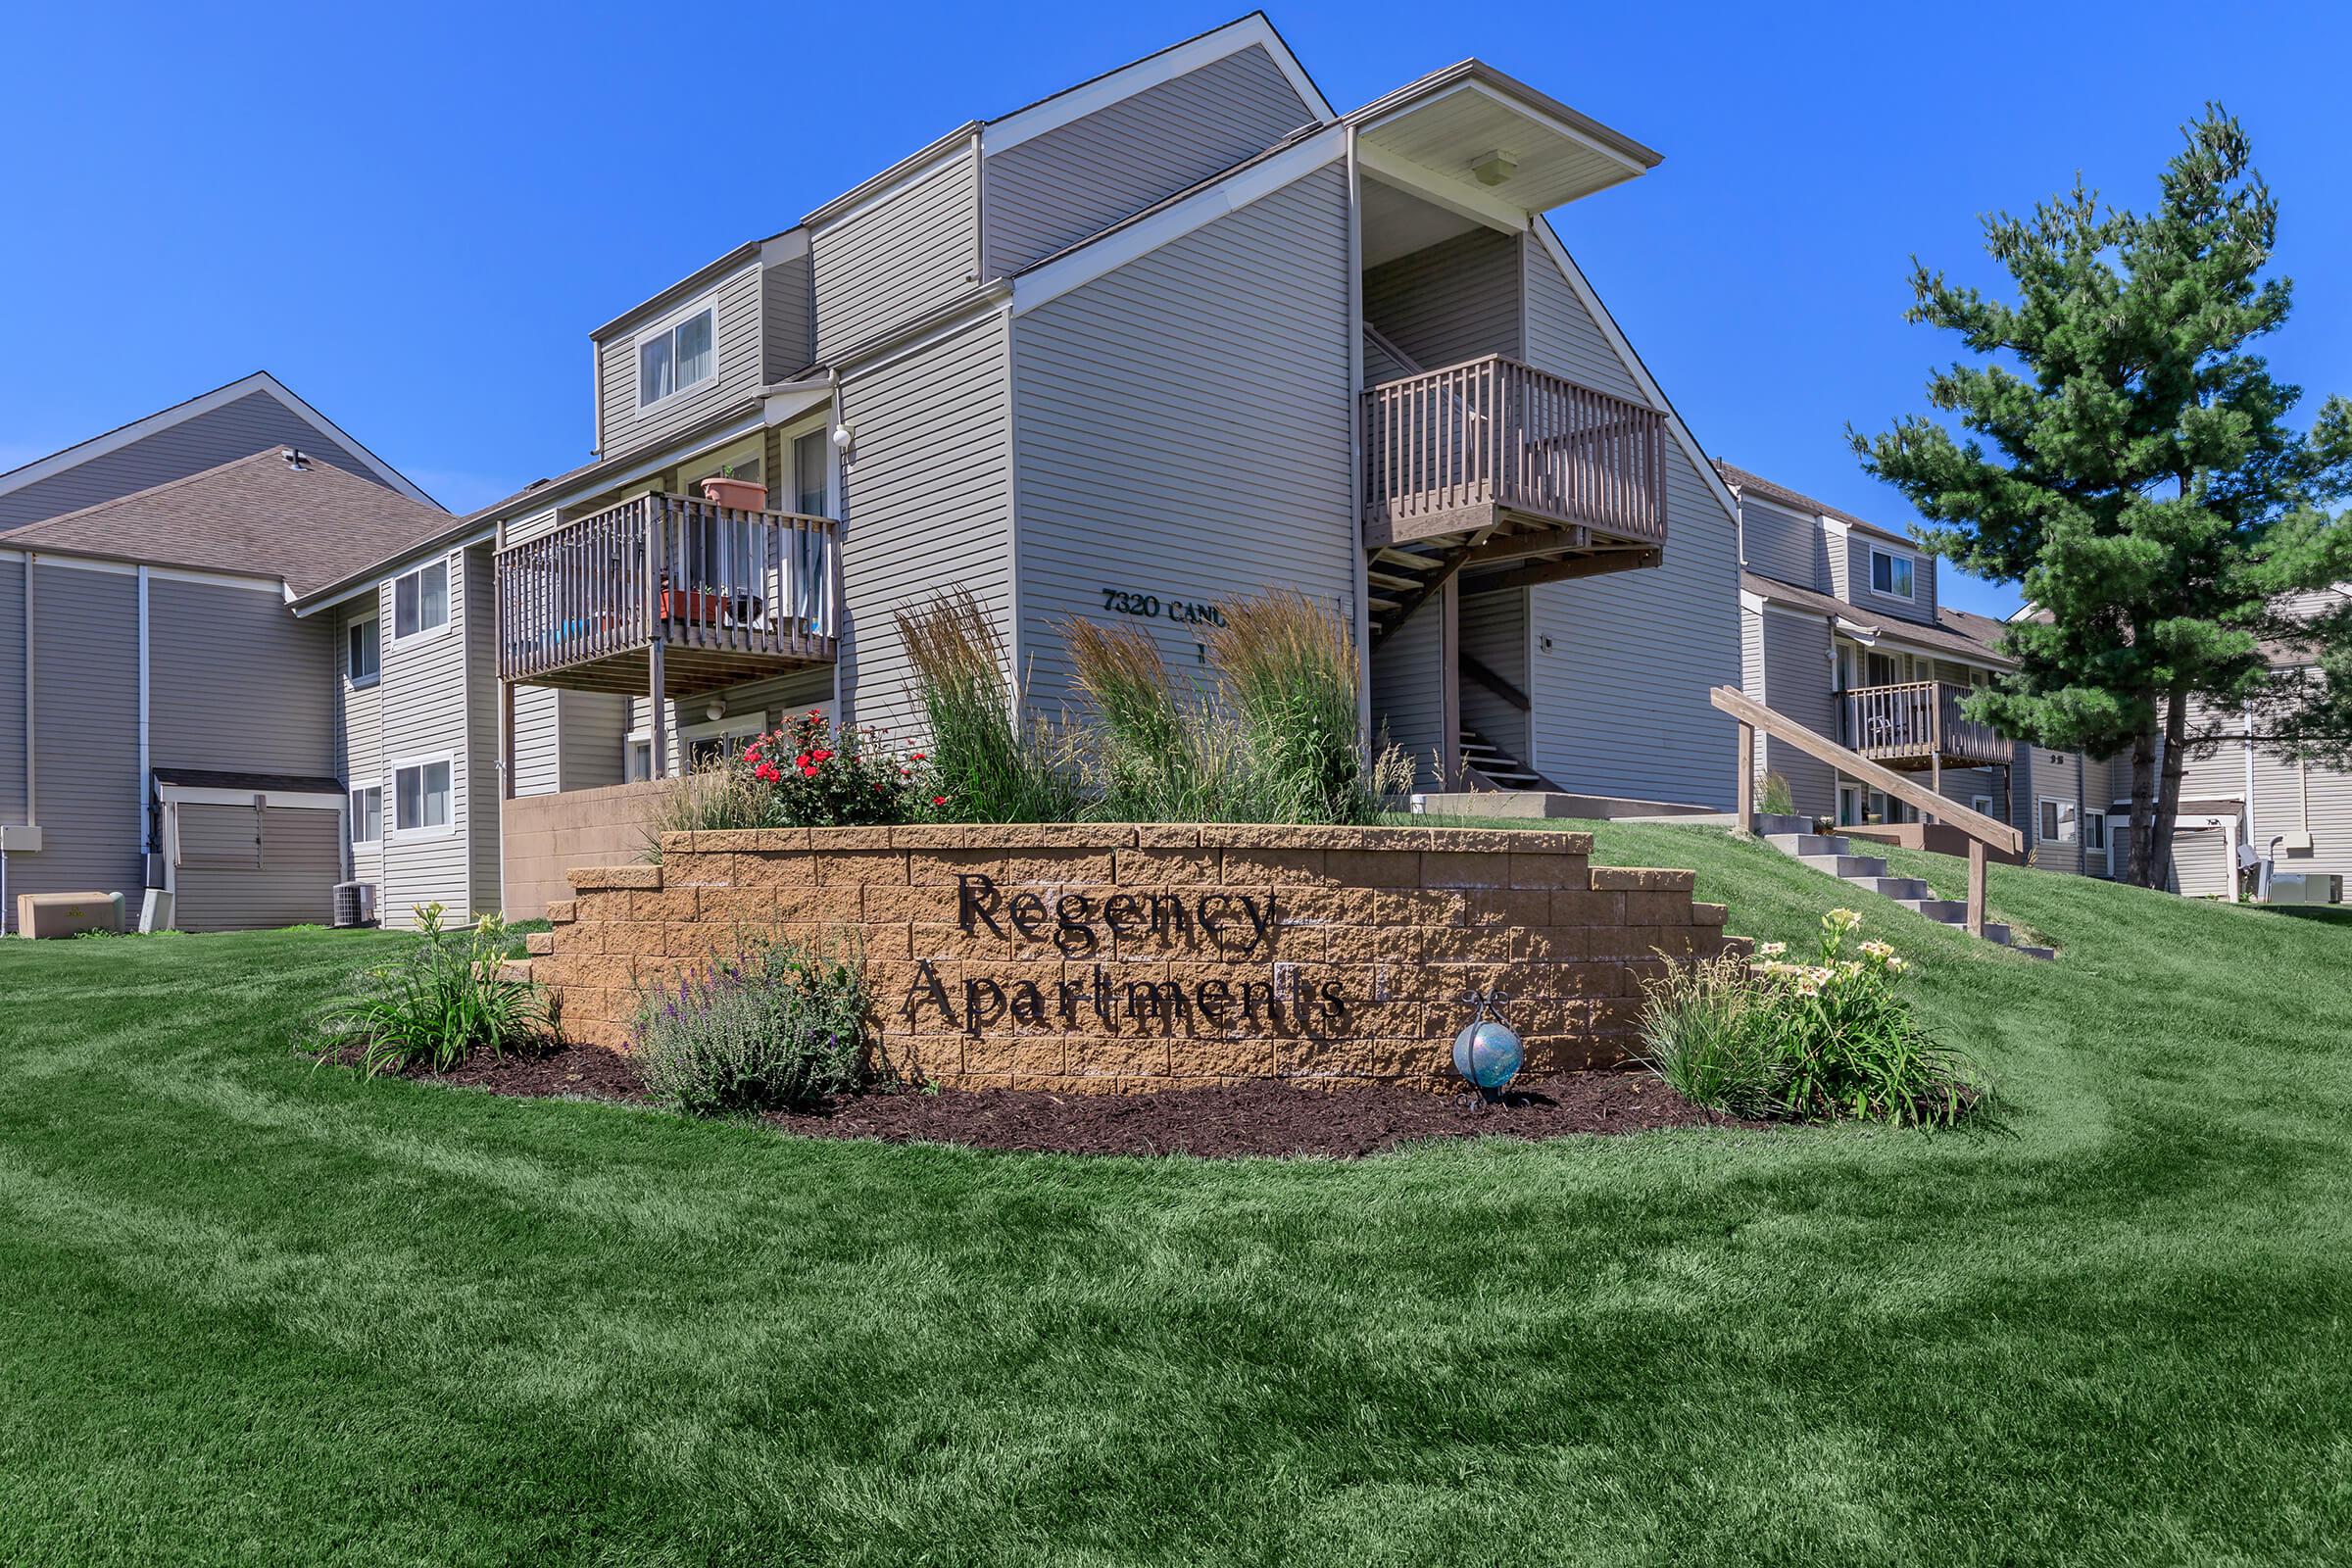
1492	682
1981	830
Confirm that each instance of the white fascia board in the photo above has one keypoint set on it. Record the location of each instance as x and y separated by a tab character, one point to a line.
1144	75
911	170
1170	223
74	457
1583	287
1464	201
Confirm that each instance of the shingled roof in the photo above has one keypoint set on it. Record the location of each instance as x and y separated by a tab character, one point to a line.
1954	636
1797	501
259	516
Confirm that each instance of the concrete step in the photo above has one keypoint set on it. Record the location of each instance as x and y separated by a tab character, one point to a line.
1801	845
1950	912
1895	887
2036	953
1849	867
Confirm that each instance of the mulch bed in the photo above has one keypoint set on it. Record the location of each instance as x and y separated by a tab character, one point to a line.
1242	1119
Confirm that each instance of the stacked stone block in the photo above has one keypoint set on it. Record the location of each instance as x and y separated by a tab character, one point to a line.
1112	957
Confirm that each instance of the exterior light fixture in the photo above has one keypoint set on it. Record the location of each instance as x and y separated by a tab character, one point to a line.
1494	168
1488	1053
843	436
716	711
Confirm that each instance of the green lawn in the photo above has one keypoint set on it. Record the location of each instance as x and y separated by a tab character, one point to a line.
253	1311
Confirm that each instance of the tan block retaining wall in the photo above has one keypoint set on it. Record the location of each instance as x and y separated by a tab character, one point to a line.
1121	959
542	837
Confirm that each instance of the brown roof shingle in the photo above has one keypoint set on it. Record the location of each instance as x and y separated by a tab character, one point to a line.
1740	479
257	515
1940	639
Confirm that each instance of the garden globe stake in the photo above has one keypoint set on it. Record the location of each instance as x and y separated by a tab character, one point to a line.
1488	1053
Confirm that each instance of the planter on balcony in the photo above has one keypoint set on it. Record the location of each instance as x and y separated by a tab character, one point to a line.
743	495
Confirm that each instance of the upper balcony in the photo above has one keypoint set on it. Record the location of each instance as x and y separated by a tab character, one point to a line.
1511	473
714	594
1918	725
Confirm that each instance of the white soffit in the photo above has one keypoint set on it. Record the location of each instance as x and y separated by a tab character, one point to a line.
1456	129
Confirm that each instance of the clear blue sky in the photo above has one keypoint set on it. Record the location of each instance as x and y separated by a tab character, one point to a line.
414	213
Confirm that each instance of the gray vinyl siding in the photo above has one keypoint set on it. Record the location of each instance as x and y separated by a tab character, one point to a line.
1493	631
2288	799
1786	546
1621	698
1382	366
1562	336
255	422
770	702
238	683
908	254
12	693
1797	682
85	740
538	770
591	729
243	870
1059	187
359	732
482	741
927	504
787	342
1185	424
1408	698
1921	606
735	332
1456	300
424	702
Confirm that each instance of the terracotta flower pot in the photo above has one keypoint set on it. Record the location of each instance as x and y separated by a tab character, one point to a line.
743	495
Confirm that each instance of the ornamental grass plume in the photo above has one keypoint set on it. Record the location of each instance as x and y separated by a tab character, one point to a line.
988	762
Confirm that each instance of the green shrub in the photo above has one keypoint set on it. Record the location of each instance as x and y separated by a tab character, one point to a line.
809	773
1702	1039
442	999
776	1026
1778	801
988	762
1834	1038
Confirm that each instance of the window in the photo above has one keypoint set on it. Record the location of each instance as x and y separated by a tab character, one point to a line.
2094	832
1849	806
363	656
1890	573
674	357
812	464
421	797
2058	821
420	601
640	767
1981	804
368	812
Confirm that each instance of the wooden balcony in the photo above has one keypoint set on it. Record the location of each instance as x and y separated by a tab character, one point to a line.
1508	474
667	589
1918	725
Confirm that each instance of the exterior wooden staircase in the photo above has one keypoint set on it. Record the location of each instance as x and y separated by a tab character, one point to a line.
1491	768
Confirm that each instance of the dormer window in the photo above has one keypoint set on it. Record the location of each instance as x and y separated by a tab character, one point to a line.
1890	573
679	353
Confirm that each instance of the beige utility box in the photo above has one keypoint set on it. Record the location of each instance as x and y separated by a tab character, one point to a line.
66	914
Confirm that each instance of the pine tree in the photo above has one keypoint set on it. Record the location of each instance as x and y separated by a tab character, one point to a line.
2125	460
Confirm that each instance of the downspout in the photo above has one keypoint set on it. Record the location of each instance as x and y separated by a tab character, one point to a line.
1360	569
146	779
32	771
2253	838
837	461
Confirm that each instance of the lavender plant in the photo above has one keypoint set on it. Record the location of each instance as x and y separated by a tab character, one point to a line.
776	1025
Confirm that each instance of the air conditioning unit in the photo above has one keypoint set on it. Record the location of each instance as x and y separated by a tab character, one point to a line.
2311	888
354	904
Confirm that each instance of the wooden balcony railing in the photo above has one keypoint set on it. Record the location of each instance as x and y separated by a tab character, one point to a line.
729	590
1918	721
1495	435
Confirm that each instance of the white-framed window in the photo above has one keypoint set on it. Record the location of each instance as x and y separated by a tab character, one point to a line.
681	353
813	473
368	812
363	653
1890	573
1849	806
2057	821
1981	804
2094	833
420	601
639	765
421	802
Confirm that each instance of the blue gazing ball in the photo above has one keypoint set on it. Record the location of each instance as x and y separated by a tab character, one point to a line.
1488	1054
